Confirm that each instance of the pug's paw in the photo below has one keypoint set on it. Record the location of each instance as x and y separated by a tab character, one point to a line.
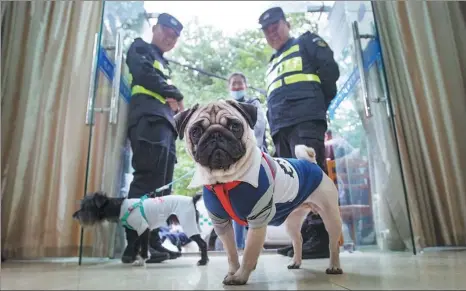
235	279
295	264
233	268
334	271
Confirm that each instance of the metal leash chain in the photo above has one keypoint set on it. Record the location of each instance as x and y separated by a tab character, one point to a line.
165	187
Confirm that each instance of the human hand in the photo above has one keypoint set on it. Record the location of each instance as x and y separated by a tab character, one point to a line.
181	105
174	105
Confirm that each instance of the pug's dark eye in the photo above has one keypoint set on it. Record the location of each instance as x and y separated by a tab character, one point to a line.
196	132
236	128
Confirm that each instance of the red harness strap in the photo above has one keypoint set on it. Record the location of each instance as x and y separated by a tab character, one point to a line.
222	193
270	166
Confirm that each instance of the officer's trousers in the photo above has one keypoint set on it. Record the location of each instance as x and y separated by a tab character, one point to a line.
309	133
154	156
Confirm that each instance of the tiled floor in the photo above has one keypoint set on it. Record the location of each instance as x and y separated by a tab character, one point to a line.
374	271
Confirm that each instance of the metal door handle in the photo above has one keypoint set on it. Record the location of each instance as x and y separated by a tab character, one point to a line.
90	94
113	116
379	99
360	63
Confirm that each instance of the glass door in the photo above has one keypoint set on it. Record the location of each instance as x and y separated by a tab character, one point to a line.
363	156
108	162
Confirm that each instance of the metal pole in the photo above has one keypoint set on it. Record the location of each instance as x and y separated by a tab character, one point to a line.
92	115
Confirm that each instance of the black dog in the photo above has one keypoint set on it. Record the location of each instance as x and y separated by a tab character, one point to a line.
143	215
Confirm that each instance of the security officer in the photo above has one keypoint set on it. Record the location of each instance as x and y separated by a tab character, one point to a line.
301	83
151	127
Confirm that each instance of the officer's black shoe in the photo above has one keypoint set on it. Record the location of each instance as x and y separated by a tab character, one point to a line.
317	245
313	254
284	251
305	233
172	255
128	256
175	255
157	257
156	243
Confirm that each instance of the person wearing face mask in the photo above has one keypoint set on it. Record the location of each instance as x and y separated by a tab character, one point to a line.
301	82
151	124
237	85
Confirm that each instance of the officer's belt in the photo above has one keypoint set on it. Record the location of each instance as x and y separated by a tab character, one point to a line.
293	79
138	89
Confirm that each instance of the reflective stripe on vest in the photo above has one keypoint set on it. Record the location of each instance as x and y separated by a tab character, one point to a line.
289	51
293	79
279	67
288	66
161	68
138	89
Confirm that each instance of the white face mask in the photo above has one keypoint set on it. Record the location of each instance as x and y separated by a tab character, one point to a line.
238	94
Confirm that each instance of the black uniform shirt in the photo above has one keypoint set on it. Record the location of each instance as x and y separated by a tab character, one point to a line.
304	101
140	60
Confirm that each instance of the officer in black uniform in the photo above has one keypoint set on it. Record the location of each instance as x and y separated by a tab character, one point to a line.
301	83
151	127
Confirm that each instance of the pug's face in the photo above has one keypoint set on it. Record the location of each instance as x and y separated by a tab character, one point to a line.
217	134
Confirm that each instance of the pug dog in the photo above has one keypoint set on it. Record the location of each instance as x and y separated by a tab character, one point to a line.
242	183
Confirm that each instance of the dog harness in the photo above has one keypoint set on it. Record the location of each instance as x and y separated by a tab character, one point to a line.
222	191
140	205
153	213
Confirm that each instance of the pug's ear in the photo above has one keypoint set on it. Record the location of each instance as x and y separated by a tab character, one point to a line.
248	111
182	118
76	215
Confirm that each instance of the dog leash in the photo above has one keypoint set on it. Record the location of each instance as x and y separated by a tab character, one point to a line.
165	187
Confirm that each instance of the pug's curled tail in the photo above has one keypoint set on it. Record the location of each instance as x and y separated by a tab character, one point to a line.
303	152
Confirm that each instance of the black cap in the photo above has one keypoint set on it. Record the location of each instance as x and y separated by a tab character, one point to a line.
270	16
170	21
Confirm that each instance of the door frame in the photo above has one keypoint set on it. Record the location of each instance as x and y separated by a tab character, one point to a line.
391	116
101	63
372	55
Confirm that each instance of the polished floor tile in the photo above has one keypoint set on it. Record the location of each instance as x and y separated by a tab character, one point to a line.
363	271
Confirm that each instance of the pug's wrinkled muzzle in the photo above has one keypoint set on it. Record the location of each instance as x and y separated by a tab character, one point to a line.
218	148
